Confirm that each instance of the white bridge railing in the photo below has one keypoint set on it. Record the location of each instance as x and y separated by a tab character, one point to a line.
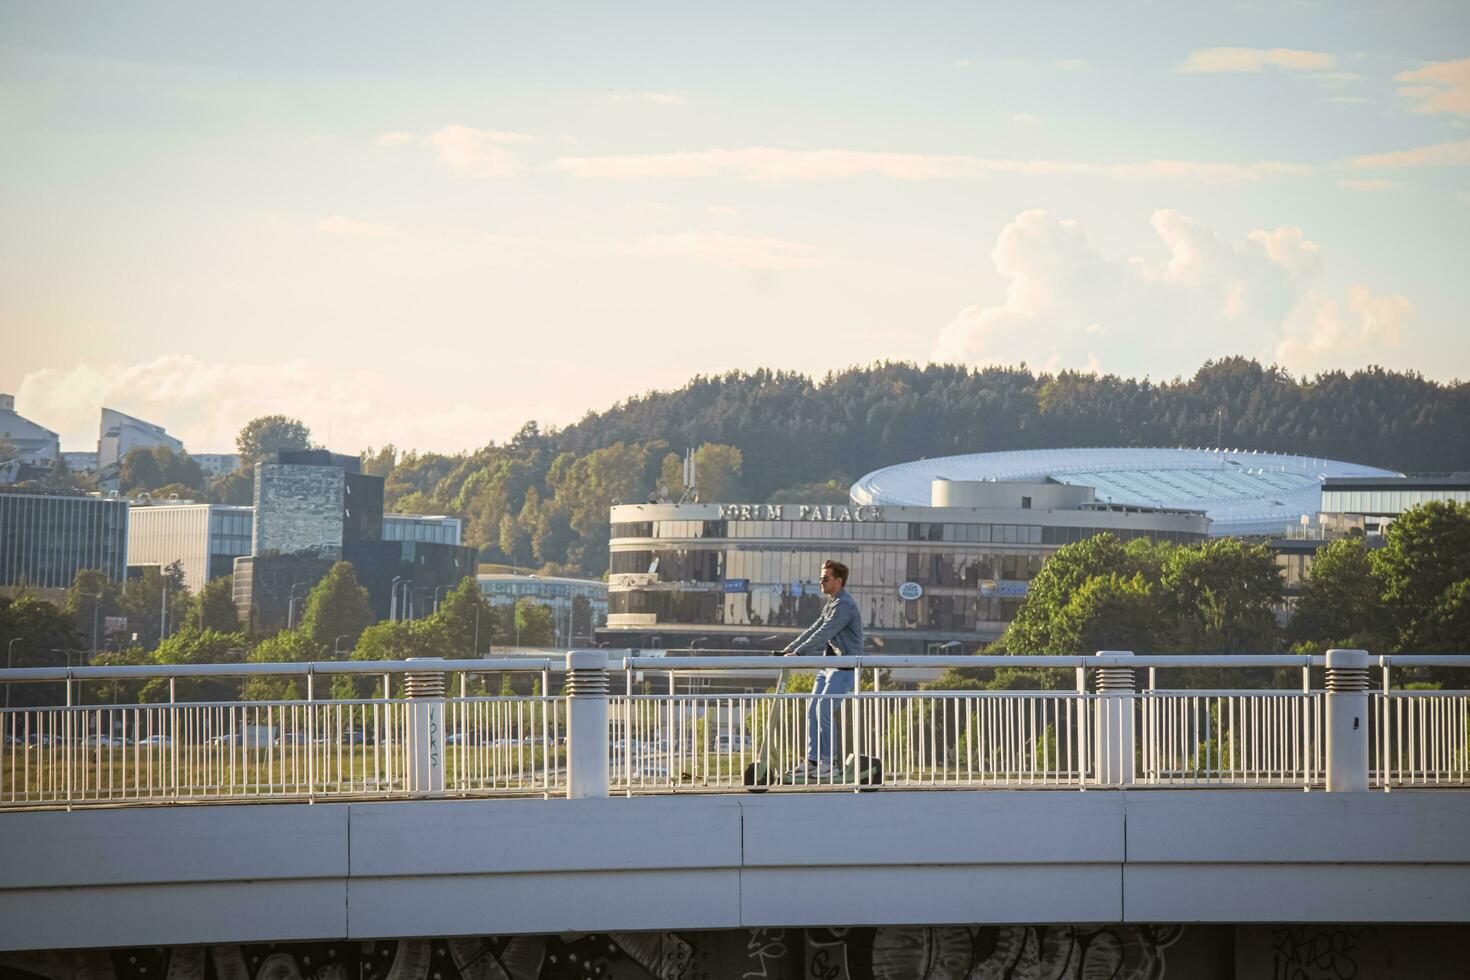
662	724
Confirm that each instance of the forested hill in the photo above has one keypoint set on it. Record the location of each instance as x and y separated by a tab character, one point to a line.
793	432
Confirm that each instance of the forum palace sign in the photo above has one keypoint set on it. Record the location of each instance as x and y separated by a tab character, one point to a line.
800	512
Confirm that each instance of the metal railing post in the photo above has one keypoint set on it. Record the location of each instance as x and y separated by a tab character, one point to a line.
424	740
1115	736
587	732
1347	721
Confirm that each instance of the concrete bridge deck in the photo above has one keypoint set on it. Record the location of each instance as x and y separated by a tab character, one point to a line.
216	874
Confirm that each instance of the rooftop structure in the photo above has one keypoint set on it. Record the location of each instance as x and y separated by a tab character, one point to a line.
23	442
119	434
1243	492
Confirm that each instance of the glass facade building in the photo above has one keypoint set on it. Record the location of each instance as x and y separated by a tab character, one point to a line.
738	575
432	528
1390	497
205	539
46	538
557	593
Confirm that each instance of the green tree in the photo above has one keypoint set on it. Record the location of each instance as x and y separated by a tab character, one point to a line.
466	620
1036	627
1221	596
1341	602
262	437
833	491
143	602
286	647
158	469
214	607
717	472
1426	552
1446	628
140	470
197	647
37	628
233	488
535	623
1109	612
379	462
90	599
337	606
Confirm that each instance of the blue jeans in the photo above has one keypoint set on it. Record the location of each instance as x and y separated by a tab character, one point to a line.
824	713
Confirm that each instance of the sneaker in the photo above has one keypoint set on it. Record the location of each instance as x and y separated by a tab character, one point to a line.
804	773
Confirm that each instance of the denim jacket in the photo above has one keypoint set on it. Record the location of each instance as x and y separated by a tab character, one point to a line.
839	631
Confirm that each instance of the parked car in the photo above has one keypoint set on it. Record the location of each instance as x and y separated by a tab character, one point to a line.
152	740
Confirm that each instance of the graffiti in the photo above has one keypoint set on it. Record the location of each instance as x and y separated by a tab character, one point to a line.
1315	952
765	947
1120	952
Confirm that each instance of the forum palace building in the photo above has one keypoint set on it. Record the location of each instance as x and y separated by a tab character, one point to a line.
941	551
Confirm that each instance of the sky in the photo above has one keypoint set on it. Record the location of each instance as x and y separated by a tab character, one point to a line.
426	225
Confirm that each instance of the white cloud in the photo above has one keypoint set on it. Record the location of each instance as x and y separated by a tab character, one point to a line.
206	404
479	152
763	163
1440	86
1066	305
729	251
1214	60
1454	153
964	62
1372	184
722	209
1071	64
339	225
1025	119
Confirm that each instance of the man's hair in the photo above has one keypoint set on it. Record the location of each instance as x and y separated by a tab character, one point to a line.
838	569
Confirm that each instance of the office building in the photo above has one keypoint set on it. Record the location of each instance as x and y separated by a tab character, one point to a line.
575	622
1376	501
314	508
948	575
119	434
216	464
433	528
27	451
205	539
46	537
29	442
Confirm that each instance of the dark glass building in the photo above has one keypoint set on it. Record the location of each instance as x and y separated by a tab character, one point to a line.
47	537
314	508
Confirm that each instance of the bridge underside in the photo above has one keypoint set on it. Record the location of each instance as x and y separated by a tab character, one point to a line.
704	863
1117	952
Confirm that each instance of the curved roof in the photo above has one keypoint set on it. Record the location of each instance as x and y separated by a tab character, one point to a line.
1243	492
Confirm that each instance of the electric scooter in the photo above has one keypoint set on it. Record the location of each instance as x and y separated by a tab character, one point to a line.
864	772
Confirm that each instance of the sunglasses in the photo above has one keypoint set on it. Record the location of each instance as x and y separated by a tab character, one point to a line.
825	578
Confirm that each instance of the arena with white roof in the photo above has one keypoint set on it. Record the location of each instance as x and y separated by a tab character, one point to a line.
1243	492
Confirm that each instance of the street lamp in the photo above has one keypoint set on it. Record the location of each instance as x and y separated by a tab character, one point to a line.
399	582
96	608
291	598
9	655
68	653
337	650
447	589
421	589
